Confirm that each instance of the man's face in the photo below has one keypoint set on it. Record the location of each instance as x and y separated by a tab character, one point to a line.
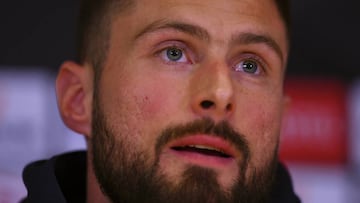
190	100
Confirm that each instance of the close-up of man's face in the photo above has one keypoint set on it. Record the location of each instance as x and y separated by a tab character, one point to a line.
189	103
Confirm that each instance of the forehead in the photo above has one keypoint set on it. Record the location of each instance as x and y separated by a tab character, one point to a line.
221	19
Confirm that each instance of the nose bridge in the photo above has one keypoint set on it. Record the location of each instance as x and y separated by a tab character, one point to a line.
213	91
221	86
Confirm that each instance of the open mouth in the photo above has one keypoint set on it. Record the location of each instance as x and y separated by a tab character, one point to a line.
207	148
202	149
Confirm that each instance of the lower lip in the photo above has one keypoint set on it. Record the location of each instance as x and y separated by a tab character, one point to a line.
201	159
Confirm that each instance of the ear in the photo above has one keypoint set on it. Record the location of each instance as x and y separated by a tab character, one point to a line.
74	90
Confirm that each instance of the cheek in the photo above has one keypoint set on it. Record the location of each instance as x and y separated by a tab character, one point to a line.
148	106
261	125
153	101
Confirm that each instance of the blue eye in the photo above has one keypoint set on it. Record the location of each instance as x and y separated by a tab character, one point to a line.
174	54
248	66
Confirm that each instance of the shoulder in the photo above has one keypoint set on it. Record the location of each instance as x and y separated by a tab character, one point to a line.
283	191
59	179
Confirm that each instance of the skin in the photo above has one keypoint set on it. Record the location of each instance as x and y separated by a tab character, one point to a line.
142	92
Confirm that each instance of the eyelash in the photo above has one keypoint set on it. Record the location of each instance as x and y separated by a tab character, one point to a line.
253	58
174	45
261	65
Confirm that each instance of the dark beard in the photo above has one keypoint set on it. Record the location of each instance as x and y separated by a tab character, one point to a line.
125	177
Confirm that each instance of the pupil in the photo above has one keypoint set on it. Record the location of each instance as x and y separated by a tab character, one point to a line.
250	67
174	54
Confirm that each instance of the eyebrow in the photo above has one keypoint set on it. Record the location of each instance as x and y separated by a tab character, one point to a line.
252	38
202	34
190	29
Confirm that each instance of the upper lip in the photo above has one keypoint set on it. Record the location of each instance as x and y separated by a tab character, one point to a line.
205	142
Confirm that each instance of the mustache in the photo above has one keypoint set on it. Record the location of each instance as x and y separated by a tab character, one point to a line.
204	126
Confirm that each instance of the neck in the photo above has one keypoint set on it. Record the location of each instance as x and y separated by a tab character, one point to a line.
94	193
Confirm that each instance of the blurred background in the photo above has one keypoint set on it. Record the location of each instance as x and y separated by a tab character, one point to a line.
320	143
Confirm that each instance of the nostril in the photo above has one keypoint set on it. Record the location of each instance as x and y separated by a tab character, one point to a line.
229	107
207	104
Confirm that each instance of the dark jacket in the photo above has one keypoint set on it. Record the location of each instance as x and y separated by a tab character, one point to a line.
63	179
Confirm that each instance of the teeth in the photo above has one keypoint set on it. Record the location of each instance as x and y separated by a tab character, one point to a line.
205	147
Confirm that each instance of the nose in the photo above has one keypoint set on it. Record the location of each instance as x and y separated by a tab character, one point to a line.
212	92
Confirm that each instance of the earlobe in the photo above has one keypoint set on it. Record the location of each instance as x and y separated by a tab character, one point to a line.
74	96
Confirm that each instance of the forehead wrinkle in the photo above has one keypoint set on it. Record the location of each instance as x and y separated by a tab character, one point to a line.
187	28
253	38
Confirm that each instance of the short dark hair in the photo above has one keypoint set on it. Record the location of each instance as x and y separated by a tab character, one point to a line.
284	8
94	27
93	30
